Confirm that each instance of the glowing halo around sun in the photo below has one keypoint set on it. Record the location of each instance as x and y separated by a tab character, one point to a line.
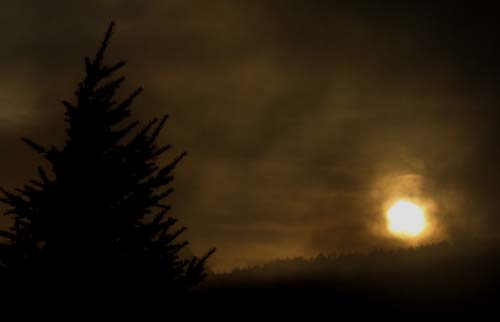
406	219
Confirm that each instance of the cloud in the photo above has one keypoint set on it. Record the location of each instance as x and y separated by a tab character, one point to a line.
293	112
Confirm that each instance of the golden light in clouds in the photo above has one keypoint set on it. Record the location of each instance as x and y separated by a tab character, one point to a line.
406	219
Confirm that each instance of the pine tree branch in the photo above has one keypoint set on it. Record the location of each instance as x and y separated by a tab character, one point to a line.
141	136
36	183
70	108
154	136
128	101
209	253
108	90
166	224
43	176
11	198
160	151
123	132
104	45
7	234
167	169
88	66
164	194
110	70
159	217
34	146
168	238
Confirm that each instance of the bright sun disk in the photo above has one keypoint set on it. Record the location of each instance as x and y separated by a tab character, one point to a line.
406	219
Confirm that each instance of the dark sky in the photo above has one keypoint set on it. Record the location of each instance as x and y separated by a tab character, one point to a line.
303	119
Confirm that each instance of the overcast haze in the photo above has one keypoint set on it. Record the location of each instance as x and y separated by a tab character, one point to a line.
302	119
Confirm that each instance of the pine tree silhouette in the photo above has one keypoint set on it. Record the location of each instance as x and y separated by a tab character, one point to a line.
100	213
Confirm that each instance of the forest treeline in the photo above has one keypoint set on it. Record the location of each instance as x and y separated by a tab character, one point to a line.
441	276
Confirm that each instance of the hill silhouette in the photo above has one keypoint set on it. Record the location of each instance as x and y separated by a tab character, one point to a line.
447	277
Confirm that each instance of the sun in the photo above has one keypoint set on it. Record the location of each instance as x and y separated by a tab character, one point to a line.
406	219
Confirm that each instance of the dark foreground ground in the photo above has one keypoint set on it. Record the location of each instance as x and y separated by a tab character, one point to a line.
447	278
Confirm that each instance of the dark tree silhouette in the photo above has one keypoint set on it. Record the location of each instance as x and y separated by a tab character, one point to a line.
99	214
